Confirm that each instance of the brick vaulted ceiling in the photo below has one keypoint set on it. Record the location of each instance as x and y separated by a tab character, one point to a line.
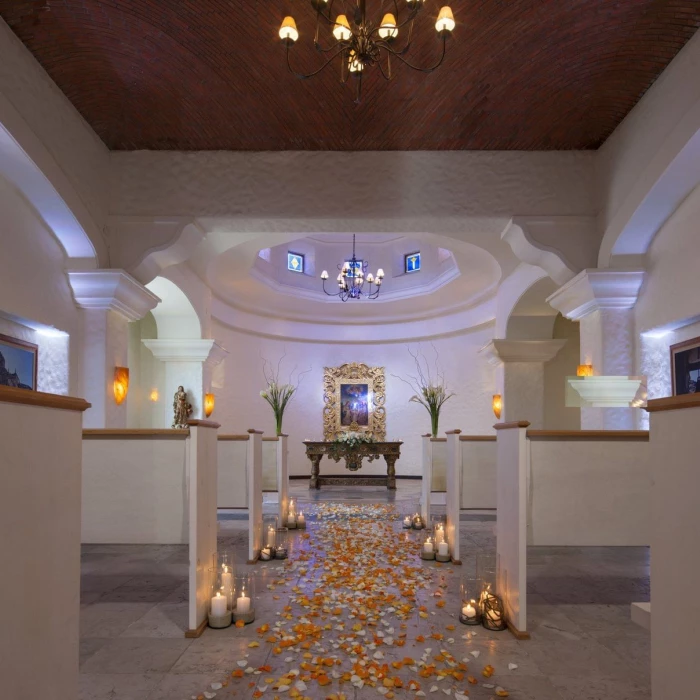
211	74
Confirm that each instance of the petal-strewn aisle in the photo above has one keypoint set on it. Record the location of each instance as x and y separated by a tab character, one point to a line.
364	617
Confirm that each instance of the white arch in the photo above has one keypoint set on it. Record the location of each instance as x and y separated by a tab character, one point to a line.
511	291
175	315
26	163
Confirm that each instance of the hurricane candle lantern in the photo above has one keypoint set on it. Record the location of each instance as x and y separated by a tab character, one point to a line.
301	520
269	538
427	551
417	522
291	516
282	543
407	523
492	613
244	594
442	551
470	608
220	598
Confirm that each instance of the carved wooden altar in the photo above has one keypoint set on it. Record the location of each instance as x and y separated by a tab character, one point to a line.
353	457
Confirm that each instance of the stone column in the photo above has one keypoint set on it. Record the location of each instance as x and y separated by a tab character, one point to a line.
520	376
110	300
188	362
602	301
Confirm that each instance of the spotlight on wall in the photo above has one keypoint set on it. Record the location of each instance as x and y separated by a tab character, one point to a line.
121	384
584	371
497	405
153	396
209	402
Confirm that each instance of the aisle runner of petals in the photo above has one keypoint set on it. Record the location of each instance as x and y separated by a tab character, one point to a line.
359	616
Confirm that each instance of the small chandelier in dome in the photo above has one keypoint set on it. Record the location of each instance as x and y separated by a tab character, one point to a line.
352	279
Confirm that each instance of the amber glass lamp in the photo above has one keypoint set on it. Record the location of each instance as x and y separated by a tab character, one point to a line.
584	371
121	384
497	405
209	402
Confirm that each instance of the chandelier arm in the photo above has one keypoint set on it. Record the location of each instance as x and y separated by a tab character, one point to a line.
342	44
381	69
418	68
316	72
411	17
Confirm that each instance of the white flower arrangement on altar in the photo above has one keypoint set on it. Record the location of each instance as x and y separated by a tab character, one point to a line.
353	439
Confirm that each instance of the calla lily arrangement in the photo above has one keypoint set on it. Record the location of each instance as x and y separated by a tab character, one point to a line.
430	387
278	395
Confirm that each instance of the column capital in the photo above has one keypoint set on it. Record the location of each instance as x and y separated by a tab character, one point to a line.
592	290
111	290
501	351
205	350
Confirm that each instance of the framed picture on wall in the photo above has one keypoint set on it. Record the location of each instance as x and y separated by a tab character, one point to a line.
18	363
685	367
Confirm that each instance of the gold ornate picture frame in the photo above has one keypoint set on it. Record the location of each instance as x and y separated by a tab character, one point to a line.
353	398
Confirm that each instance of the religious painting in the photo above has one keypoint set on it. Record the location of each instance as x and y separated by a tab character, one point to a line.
353	396
18	363
685	367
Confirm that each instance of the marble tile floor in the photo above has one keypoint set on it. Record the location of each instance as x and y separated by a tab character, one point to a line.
583	647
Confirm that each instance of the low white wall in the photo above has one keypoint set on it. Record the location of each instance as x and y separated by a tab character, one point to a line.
135	487
39	548
233	481
439	472
591	488
478	471
675	566
269	464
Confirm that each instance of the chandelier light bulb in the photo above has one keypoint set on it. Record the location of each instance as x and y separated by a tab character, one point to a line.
324	275
445	21
387	29
288	30
380	273
370	278
354	65
341	29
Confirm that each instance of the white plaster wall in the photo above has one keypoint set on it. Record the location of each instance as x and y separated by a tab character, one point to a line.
34	288
40	551
478	474
675	567
439	470
523	392
239	406
589	493
74	146
557	416
419	184
145	375
135	491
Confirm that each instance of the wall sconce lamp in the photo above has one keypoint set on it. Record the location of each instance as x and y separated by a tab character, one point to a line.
121	384
497	405
153	396
584	371
209	402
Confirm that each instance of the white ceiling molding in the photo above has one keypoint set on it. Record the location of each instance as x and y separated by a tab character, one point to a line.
592	290
111	290
518	236
187	350
498	352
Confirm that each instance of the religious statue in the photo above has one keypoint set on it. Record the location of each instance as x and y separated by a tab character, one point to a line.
182	408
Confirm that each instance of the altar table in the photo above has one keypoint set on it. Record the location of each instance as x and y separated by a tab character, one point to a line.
353	456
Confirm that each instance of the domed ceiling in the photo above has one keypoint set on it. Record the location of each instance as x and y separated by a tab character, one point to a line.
255	281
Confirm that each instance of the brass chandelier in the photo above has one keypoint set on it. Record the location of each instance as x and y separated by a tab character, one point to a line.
361	41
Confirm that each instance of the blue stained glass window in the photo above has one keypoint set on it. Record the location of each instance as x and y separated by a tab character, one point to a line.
358	265
412	262
295	262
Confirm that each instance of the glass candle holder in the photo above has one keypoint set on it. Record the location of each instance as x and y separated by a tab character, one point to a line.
291	522
282	543
269	538
487	570
220	597
427	550
301	520
417	522
442	550
493	615
470	607
244	599
407	522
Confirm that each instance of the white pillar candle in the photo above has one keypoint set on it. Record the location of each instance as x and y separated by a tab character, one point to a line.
442	549
300	518
407	521
218	605
469	610
271	537
227	581
494	615
428	547
243	605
